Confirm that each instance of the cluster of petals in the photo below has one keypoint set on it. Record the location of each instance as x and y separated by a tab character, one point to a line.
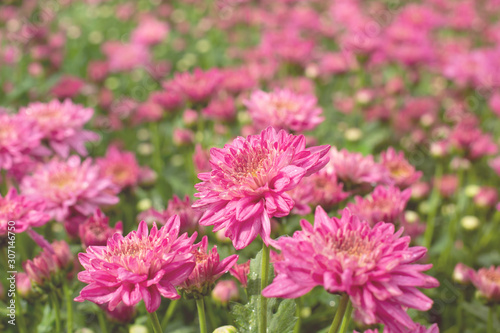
188	216
119	166
61	124
418	329
249	182
240	272
95	231
66	185
199	85
140	266
23	212
19	137
375	267
208	269
354	168
487	282
401	171
284	109
383	204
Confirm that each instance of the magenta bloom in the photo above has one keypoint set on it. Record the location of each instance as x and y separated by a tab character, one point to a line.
119	166
284	109
383	204
188	216
374	266
240	272
418	329
62	125
140	266
326	190
149	32
54	258
249	180
69	185
487	282
354	168
95	231
401	171
126	57
208	269
19	136
25	213
199	85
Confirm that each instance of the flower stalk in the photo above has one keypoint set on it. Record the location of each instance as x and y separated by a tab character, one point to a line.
339	315
200	304
153	319
263	284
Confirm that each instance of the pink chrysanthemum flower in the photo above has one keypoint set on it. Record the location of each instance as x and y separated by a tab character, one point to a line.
119	166
383	204
326	190
199	85
25	213
354	168
284	109
62	125
95	231
150	32
401	171
19	136
240	272
375	267
126	57
188	216
71	184
207	270
487	282
140	266
249	180
418	329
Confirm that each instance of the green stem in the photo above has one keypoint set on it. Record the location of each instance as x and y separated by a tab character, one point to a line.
102	321
298	308
347	318
57	310
339	315
490	319
4	187
263	284
434	202
69	307
169	313
153	319
201	315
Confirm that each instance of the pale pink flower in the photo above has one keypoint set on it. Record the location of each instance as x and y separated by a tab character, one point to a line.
284	109
140	266
375	267
383	204
119	166
354	168
225	291
95	231
126	57
401	171
19	137
418	329
199	85
462	273
67	87
149	32
220	109
209	268
486	197
71	184
240	272
62	125
487	282
326	190
249	180
23	212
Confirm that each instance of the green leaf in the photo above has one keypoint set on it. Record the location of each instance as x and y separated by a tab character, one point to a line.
280	313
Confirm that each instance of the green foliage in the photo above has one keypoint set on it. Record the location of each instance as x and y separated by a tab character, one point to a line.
280	313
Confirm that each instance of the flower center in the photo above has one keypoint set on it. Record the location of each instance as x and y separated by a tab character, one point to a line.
7	133
399	170
63	179
493	276
200	256
252	165
350	244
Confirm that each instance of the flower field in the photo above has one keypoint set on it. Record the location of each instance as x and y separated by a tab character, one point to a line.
249	166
